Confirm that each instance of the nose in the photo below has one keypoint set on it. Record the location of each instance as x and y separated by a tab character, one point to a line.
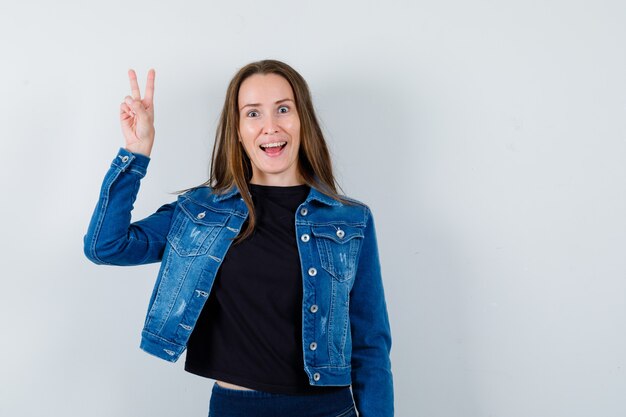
270	127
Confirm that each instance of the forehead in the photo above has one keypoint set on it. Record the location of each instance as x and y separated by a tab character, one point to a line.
264	87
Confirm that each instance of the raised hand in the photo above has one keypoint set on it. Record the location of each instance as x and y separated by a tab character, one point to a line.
137	116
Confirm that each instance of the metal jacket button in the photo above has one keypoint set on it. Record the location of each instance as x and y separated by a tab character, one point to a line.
125	158
316	376
303	211
340	233
305	237
312	272
313	346
314	308
201	215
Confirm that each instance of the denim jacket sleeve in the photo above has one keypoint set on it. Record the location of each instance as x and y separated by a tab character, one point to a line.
372	380
111	239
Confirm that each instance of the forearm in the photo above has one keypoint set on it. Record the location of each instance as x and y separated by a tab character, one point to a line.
110	238
372	379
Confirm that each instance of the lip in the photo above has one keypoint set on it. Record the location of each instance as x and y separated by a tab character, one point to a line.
272	141
279	153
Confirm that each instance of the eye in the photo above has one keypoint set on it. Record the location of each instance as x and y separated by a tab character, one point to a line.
251	111
283	107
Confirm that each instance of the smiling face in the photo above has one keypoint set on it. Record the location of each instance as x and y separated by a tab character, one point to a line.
269	129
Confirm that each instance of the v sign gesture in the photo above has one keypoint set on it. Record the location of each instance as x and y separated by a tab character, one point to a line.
137	116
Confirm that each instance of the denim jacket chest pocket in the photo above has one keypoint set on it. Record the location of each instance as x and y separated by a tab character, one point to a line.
338	247
195	228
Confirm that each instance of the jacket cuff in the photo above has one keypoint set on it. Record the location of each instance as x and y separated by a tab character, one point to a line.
159	347
128	161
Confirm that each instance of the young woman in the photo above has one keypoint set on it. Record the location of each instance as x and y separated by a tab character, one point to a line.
269	278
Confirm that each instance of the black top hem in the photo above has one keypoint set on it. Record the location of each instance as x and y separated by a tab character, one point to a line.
261	386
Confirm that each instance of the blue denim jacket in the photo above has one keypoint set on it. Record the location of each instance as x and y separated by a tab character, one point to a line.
345	327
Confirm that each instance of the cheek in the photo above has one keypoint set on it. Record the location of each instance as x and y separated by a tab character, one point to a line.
247	134
293	126
296	130
246	129
248	146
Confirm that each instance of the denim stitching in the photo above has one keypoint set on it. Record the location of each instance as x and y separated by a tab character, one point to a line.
104	195
331	322
347	412
344	333
170	305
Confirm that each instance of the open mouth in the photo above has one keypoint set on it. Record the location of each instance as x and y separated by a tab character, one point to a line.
274	147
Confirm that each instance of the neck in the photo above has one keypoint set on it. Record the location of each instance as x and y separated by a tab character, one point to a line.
277	180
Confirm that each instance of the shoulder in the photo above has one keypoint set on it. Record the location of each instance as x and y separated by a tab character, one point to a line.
222	202
342	210
203	193
356	204
190	192
206	196
360	210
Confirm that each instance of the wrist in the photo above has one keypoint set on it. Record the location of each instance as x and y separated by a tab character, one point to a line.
141	150
135	161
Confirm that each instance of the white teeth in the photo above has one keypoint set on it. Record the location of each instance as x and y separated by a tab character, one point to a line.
273	144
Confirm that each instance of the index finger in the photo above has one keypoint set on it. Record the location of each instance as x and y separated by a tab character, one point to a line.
134	87
149	93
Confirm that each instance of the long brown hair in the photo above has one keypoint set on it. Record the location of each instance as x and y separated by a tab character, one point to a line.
230	166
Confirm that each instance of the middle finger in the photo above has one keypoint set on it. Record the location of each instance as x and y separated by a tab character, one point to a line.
149	92
134	87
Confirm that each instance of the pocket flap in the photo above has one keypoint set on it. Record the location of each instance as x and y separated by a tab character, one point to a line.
203	215
340	233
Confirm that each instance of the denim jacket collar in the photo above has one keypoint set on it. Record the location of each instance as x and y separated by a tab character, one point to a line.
314	194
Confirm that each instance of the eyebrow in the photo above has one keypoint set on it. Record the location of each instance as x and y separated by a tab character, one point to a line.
258	104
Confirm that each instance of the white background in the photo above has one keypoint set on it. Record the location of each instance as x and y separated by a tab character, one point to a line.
489	139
